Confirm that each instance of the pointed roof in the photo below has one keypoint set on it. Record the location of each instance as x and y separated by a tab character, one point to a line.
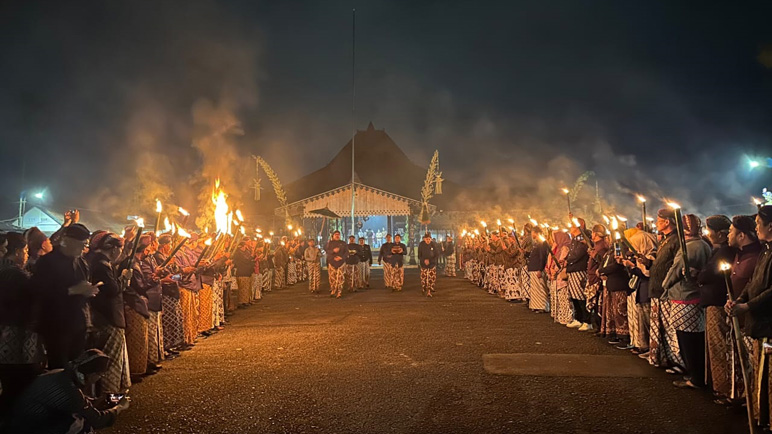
380	163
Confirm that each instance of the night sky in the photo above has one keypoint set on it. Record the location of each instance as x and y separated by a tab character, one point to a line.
663	98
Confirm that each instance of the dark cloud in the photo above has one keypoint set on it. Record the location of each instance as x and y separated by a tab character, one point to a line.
658	98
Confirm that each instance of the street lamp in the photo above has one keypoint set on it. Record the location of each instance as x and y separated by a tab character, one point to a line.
23	204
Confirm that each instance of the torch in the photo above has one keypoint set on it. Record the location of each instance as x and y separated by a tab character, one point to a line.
158	209
185	215
726	268
642	200
568	198
484	225
207	245
514	232
185	237
236	240
623	220
544	240
130	264
584	236
681	238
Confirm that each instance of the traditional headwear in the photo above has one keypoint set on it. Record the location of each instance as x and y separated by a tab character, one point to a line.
561	239
76	231
427	235
745	224
105	239
90	362
144	242
667	214
35	239
599	229
765	212
718	223
692	225
165	239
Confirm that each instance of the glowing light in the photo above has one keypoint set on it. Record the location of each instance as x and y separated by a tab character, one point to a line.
167	225
541	238
511	221
641	199
498	222
270	233
617	236
463	233
606	219
757	201
183	211
219	199
258	230
576	222
208	242
483	224
183	233
565	190
239	215
673	205
614	223
140	222
705	232
243	231
289	227
534	222
39	195
281	242
158	206
724	266
268	241
621	218
753	164
651	219
300	232
477	232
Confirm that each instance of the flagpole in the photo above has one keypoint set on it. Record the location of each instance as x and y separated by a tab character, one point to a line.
353	107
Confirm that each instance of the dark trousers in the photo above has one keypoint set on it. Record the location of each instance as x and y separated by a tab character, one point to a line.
580	311
692	347
63	346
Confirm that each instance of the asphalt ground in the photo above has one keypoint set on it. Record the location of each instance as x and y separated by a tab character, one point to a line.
378	361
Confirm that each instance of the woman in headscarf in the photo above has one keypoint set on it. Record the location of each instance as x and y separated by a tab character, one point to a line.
681	291
615	282
639	302
561	311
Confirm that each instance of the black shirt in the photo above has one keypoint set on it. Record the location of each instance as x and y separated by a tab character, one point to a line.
107	305
428	252
54	274
354	251
398	251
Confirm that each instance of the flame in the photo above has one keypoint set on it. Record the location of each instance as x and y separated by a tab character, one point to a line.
614	223
268	241
673	205
206	229
270	233
229	223
463	233
606	219
239	215
219	199
208	242
498	222
167	225
243	232
511	221
258	230
541	238
174	229
576	222
621	218
641	199
477	232
756	201
289	227
564	230
140	222
534	222
483	224
183	211
651	219
300	232
617	236
705	232
158	206
183	233
259	236
724	266
282	242
565	190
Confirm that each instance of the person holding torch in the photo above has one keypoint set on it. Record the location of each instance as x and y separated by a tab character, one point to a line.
683	295
754	305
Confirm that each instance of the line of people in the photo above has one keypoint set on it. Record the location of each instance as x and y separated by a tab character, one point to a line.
636	293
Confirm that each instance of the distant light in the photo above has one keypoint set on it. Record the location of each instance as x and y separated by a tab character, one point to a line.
39	195
754	164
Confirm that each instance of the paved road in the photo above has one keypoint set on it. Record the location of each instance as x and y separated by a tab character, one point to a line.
383	362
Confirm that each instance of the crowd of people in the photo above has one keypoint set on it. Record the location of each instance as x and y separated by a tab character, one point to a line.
84	315
671	297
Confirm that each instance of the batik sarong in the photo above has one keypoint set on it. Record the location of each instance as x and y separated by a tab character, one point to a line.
278	279
398	277
638	322
387	273
136	341
292	274
539	293
314	276
218	303
189	316
205	308
577	281
244	285
663	342
718	340
337	277
155	338
450	265
116	379
614	314
565	310
174	335
428	279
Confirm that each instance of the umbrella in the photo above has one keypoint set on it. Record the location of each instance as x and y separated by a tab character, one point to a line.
324	212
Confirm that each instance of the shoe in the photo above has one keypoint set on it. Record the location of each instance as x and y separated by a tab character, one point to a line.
675	370
586	328
624	347
685	384
644	356
574	324
614	342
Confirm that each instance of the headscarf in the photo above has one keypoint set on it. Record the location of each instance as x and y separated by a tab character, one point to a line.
644	242
692	226
561	240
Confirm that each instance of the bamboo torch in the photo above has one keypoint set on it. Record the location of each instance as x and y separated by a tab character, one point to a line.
747	376
568	198
207	246
681	238
158	209
130	264
642	200
185	237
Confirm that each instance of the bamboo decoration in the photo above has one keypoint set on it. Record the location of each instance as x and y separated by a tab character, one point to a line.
274	178
433	176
